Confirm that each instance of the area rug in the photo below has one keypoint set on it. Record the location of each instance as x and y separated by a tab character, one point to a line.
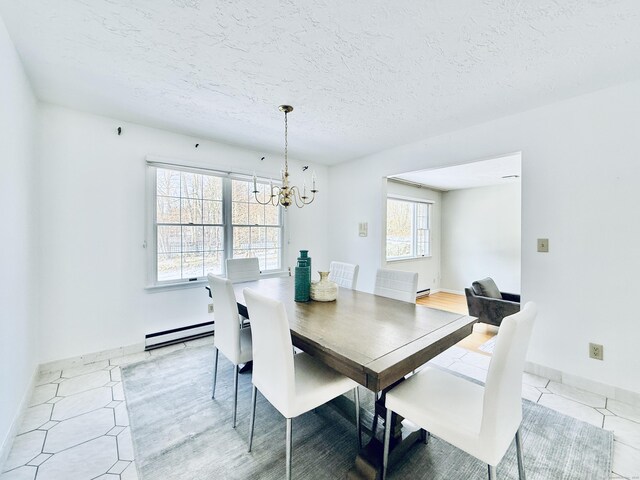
180	433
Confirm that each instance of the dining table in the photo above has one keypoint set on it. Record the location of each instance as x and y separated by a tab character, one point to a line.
374	340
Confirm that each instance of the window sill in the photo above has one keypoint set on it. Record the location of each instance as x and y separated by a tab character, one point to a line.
166	287
408	259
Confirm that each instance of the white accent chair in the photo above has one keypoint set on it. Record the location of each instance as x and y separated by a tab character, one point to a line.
344	274
481	420
397	285
243	269
293	384
229	338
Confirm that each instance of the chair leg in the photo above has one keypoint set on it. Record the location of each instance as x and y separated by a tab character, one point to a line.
253	415
235	393
492	472
356	400
215	371
521	473
288	466
387	440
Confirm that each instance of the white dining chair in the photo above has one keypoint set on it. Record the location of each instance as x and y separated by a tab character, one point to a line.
481	420
229	338
396	284
344	274
243	269
293	384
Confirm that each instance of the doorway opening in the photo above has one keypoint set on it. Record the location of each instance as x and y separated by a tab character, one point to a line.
474	232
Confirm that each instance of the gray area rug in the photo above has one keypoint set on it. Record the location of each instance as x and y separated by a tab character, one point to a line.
180	433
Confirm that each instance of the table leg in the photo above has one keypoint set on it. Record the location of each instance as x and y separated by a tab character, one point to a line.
368	463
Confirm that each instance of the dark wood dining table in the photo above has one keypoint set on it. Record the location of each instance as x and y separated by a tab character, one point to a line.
374	340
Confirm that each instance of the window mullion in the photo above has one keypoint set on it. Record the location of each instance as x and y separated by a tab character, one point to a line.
226	221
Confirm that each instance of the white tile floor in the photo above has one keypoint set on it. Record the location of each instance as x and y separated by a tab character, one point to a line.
77	426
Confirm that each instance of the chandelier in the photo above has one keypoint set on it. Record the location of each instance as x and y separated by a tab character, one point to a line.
284	194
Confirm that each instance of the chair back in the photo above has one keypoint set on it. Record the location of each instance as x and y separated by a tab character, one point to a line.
243	269
395	284
273	370
502	408
227	327
344	274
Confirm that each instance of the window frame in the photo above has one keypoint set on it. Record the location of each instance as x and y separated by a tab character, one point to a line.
414	247
151	238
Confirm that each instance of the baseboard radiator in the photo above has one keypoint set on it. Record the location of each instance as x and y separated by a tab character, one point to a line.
423	293
177	335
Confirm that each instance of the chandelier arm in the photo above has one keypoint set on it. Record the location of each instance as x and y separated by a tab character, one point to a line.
271	196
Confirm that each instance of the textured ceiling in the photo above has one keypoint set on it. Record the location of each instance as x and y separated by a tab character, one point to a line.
362	75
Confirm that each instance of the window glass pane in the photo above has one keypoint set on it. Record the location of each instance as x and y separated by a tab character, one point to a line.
168	210
213	238
260	254
167	182
272	215
191	210
169	266
211	188
239	191
192	239
211	212
241	238
240	213
258	237
256	214
169	239
191	185
192	265
399	228
242	254
213	262
273	259
273	237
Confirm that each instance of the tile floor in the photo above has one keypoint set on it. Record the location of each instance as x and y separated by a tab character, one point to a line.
77	425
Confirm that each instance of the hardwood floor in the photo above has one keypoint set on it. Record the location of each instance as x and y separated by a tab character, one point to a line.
452	302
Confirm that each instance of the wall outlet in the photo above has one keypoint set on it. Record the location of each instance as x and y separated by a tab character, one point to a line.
210	308
595	351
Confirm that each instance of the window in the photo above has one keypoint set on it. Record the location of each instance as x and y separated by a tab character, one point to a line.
407	229
200	219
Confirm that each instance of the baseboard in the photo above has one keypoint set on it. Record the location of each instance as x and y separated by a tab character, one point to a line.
616	393
7	442
91	358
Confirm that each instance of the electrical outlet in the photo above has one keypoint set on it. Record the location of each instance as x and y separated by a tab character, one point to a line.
595	351
210	308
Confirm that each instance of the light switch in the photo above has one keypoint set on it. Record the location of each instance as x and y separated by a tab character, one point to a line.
363	227
543	245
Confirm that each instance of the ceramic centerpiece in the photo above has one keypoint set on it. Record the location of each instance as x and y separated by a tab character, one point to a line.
324	290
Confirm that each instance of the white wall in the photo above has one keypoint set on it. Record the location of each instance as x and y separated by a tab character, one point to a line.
92	216
18	238
481	237
580	174
428	268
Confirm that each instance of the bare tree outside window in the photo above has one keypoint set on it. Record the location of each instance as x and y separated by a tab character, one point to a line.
190	225
407	229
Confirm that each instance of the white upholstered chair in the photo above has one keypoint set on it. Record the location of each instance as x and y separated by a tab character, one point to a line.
243	269
293	384
229	338
482	421
397	285
344	274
